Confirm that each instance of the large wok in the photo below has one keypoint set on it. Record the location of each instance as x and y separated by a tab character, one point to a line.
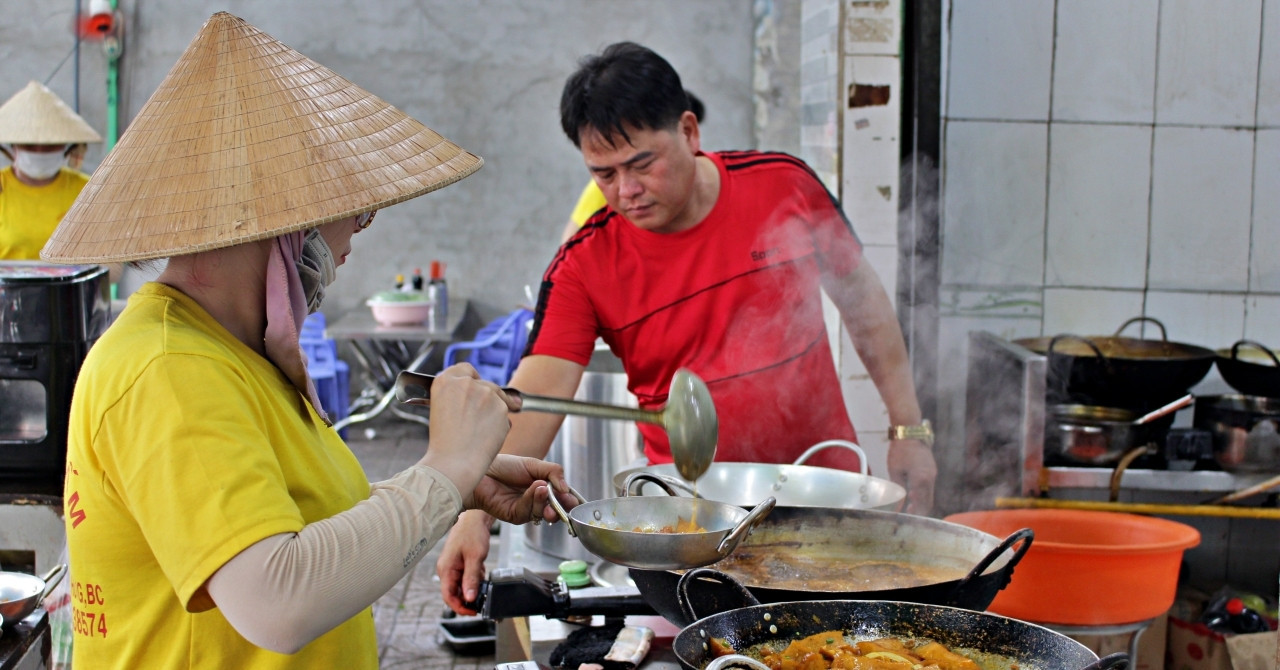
1115	371
1002	643
823	543
794	485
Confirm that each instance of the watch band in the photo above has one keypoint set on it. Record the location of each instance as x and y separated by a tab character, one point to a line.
922	432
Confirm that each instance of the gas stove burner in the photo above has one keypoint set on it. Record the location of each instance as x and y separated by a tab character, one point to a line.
519	592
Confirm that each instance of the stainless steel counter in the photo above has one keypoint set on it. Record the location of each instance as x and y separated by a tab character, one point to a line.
1183	481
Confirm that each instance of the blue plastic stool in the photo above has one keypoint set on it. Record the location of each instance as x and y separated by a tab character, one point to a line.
330	374
497	347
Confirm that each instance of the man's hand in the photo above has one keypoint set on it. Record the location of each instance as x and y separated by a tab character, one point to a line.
911	464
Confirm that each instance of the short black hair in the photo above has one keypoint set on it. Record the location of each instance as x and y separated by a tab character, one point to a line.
625	85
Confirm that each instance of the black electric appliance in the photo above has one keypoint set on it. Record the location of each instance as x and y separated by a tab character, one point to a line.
49	317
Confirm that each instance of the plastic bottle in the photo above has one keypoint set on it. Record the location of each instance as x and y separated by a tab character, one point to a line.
438	295
399	282
417	279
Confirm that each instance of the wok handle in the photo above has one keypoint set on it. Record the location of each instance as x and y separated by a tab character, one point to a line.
1235	351
1025	536
1116	661
827	444
667	484
51	580
735	589
758	513
1164	334
568	523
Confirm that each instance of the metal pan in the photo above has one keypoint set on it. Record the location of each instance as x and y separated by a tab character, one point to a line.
21	594
607	528
1002	643
1250	368
794	485
810	553
1116	371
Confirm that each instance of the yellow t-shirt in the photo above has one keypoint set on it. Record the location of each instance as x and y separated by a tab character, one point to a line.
590	202
28	214
185	447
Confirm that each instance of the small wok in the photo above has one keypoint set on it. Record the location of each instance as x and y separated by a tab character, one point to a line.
21	594
794	485
1250	368
1001	643
608	529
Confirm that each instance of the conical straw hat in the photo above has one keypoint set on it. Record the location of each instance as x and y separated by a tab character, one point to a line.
36	115
247	139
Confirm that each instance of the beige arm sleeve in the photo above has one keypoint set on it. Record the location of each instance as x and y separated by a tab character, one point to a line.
286	590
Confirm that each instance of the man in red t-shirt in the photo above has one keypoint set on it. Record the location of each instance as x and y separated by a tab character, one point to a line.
714	262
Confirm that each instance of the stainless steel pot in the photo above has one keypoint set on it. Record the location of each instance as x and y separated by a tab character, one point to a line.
1244	428
794	485
1094	435
591	451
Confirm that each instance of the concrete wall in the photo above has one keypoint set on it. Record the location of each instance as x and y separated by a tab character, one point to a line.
485	73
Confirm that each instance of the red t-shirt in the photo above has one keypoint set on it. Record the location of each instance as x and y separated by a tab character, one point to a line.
736	299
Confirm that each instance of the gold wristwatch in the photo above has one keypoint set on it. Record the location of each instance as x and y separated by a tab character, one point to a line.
922	432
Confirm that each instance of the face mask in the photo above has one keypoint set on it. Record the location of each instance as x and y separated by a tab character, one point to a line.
38	165
316	269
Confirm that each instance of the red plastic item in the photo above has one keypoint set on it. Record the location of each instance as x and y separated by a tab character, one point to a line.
1087	568
437	270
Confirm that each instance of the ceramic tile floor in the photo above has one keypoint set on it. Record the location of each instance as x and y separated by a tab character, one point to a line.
408	616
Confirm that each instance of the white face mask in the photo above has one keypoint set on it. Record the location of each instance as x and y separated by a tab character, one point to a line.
38	165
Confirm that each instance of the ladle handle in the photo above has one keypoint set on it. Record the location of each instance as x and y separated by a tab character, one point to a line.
414	388
1178	404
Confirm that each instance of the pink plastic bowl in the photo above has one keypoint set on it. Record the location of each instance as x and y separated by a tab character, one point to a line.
404	313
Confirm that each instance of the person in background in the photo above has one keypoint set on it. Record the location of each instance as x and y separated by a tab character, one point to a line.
214	517
38	133
592	200
715	262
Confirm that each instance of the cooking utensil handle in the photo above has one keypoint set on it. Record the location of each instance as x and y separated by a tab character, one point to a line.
1235	351
827	444
758	513
568	523
1164	334
667	484
414	388
1184	401
1025	536
1116	661
51	580
730	587
1246	492
735	661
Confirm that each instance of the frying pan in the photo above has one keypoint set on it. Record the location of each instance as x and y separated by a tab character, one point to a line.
1254	371
1115	371
808	541
1001	643
608	529
21	594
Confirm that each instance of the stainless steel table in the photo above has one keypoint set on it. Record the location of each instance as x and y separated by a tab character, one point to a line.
383	351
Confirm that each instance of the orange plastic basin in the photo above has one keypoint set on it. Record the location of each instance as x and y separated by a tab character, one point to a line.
1088	568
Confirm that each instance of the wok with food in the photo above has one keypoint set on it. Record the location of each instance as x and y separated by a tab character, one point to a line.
948	638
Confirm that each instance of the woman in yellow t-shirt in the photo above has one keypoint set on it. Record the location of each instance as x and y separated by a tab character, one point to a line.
38	131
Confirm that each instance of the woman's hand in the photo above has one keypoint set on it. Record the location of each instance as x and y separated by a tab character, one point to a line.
515	489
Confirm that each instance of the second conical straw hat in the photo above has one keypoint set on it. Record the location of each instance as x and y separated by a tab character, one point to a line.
36	115
247	139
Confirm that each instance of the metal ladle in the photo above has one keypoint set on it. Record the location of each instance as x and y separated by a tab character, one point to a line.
689	416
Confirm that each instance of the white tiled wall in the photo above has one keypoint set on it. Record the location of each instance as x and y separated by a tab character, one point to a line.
1111	159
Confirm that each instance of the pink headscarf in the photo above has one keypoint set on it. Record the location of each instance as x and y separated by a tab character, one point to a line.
286	312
